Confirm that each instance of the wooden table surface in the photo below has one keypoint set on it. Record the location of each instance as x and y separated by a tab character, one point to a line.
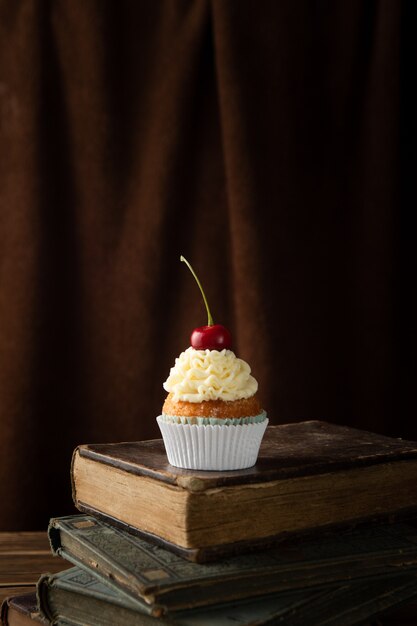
25	556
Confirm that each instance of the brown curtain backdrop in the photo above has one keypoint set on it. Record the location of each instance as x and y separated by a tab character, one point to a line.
271	143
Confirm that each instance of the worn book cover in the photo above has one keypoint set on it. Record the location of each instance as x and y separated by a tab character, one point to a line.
309	475
163	581
20	610
76	596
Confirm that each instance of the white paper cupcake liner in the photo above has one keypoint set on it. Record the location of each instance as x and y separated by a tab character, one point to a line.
213	421
212	447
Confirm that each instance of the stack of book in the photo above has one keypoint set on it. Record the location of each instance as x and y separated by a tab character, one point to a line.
320	531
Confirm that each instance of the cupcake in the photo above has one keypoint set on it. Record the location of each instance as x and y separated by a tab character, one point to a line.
212	418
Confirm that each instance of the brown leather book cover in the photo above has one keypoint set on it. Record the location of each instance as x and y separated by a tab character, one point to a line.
309	475
287	450
21	610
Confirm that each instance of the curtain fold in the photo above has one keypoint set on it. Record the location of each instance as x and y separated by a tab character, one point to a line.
273	144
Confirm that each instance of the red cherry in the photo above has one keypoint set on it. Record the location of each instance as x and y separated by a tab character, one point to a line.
214	337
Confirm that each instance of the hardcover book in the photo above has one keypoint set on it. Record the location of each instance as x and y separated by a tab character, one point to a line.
76	597
21	610
309	475
159	581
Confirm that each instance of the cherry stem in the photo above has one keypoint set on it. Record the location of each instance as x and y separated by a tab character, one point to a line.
209	317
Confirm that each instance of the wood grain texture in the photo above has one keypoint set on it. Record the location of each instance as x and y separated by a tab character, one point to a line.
24	556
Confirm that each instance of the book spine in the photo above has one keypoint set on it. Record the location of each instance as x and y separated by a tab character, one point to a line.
54	536
42	595
57	547
76	597
4	612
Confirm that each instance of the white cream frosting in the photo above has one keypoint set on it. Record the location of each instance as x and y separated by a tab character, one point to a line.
200	375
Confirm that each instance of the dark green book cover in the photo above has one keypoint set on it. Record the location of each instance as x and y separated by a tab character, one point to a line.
158	581
77	597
